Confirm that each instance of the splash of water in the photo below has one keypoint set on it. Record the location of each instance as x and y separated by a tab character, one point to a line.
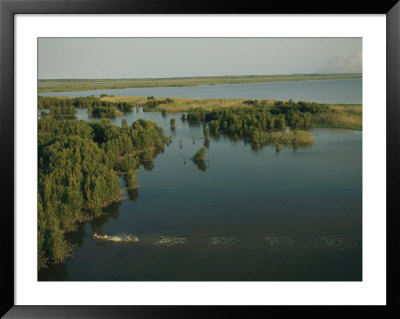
118	238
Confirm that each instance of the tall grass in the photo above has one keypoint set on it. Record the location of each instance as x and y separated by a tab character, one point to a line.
339	120
185	104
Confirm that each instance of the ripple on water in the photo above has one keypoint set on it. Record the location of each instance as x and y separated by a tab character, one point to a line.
335	241
281	240
223	240
170	241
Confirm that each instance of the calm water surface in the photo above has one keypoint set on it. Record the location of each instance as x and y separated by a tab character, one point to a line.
323	91
310	198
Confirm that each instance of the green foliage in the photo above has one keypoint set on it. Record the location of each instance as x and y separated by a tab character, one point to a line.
206	132
199	159
77	176
239	122
104	112
127	163
152	103
258	124
295	137
131	179
256	103
172	123
199	156
61	111
124	123
96	107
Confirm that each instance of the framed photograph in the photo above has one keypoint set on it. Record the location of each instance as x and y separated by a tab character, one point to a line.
160	155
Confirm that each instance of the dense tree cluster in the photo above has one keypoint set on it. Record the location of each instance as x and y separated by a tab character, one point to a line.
256	103
299	114
152	103
261	125
60	111
77	173
104	112
96	107
237	122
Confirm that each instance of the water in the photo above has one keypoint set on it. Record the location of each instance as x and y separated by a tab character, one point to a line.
323	91
260	215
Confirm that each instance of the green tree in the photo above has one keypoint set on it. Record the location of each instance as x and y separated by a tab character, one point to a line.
199	155
131	179
206	132
172	123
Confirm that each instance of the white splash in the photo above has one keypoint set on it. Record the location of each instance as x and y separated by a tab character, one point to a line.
118	238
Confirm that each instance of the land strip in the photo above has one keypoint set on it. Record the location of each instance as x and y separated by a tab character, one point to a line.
68	85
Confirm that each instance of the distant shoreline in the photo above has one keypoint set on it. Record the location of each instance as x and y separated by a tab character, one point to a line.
68	85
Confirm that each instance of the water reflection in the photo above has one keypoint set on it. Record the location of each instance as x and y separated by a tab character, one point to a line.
111	211
201	165
255	147
148	166
133	194
76	238
55	273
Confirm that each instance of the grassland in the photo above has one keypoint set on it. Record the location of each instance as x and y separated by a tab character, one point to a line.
183	104
62	85
345	116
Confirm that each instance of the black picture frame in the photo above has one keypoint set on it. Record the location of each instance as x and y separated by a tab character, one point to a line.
8	8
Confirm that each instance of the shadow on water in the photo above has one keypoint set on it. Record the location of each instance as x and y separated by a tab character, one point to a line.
76	238
201	165
133	194
109	212
56	273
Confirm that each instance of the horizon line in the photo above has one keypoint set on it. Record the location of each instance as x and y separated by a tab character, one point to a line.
198	76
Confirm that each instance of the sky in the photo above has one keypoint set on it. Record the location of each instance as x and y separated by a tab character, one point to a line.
96	58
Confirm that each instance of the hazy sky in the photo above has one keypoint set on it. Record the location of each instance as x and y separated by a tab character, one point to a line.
174	57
